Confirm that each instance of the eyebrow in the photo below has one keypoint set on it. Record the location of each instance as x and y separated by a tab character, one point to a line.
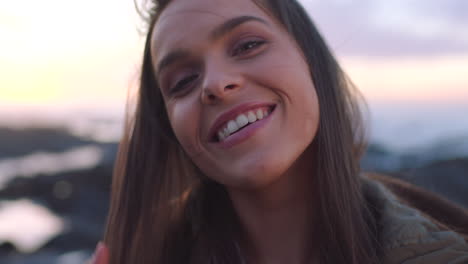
231	24
217	33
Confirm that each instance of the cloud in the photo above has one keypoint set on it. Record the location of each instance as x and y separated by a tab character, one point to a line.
451	10
393	28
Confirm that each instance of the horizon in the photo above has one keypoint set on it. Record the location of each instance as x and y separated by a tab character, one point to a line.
397	52
72	68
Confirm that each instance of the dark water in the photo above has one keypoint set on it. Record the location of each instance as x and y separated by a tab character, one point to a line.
62	182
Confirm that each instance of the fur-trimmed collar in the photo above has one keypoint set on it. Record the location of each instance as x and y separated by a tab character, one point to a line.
407	236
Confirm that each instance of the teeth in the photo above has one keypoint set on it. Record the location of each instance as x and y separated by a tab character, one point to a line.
259	114
232	127
252	117
221	135
241	121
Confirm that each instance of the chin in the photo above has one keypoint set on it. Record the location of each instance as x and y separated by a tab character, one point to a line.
254	175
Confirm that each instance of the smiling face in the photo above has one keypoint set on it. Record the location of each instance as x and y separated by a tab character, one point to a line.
238	92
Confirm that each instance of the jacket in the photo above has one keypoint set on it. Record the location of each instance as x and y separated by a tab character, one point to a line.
413	223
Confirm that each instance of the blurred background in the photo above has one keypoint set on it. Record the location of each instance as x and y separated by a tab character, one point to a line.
67	67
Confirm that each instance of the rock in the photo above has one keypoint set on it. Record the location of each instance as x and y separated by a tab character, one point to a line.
7	248
447	177
19	142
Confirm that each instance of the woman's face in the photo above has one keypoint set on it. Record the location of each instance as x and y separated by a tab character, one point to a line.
238	92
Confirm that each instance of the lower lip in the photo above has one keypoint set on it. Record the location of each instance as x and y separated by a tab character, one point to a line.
245	133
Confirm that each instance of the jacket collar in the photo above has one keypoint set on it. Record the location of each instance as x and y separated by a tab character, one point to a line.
405	232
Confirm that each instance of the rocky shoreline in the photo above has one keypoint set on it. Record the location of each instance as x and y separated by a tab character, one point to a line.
81	197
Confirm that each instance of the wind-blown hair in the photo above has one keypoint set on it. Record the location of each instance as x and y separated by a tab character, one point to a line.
164	210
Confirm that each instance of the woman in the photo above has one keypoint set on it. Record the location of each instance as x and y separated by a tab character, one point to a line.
245	148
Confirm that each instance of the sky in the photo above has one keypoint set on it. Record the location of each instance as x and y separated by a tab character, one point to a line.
57	54
400	50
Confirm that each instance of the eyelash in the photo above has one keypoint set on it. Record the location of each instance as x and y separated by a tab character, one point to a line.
243	48
184	82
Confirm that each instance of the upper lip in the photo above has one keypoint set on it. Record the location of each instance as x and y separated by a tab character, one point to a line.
231	114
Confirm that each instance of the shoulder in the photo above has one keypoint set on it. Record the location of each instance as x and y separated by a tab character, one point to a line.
408	235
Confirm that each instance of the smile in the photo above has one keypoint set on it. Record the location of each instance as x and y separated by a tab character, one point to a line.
241	121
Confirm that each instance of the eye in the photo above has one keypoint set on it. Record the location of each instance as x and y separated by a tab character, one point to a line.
183	83
247	46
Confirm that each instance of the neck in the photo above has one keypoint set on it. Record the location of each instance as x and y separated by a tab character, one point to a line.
276	218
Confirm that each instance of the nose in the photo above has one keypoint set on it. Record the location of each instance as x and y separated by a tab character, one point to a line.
220	82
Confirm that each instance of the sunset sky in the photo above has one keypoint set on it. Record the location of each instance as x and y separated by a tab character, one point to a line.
85	54
61	58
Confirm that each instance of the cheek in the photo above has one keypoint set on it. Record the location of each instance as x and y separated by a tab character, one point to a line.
286	74
184	118
305	107
310	114
300	100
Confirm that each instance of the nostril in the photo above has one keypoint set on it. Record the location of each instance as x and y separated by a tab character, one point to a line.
211	97
230	87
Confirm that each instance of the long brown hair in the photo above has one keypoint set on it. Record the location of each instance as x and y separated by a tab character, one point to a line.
163	210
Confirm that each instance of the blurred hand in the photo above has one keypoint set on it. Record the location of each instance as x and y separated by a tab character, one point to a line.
101	255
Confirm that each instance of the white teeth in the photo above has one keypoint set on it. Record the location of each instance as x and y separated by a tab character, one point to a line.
259	114
221	135
241	120
232	127
252	117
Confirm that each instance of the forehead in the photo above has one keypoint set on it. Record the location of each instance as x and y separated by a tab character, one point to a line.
184	20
